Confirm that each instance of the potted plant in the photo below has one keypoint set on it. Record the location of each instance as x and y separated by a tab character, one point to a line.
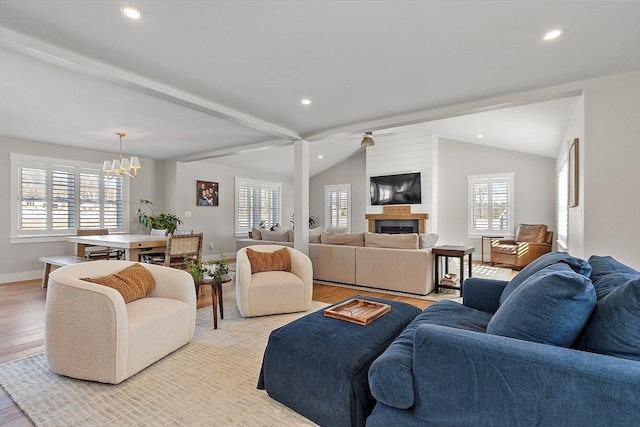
201	270
163	221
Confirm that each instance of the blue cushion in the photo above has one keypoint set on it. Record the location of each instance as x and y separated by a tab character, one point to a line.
604	265
614	327
609	283
607	274
391	374
578	265
550	307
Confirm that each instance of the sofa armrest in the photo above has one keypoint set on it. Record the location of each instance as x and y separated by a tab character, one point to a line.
483	294
507	242
301	266
529	252
504	381
85	324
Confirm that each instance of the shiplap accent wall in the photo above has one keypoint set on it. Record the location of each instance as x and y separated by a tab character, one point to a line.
404	153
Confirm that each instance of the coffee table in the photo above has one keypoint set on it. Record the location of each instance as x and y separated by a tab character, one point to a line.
318	365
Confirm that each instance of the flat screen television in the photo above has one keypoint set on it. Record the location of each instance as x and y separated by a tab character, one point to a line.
401	189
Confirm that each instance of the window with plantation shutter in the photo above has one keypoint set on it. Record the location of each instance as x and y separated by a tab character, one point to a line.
337	205
55	197
490	204
256	201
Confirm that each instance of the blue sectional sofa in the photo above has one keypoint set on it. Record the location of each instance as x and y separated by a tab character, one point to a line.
559	345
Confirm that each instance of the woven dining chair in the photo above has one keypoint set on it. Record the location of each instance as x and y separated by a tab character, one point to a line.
179	248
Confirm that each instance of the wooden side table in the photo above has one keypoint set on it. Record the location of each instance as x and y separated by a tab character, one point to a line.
216	296
448	251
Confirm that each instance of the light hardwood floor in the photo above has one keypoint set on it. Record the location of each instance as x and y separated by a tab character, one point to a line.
22	307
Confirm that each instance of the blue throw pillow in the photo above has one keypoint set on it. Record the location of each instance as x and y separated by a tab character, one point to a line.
614	327
578	265
550	307
609	283
604	265
607	274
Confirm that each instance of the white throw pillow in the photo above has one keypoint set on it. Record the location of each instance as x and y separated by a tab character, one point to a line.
428	240
256	234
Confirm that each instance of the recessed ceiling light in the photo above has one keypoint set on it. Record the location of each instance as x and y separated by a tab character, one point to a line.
320	156
479	135
131	12
305	101
552	34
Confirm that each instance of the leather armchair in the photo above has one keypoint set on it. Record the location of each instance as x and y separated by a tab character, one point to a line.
531	241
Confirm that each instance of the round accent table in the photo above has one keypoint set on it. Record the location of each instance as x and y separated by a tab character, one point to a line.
216	295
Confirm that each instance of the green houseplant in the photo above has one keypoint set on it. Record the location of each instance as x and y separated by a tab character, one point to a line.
164	221
213	268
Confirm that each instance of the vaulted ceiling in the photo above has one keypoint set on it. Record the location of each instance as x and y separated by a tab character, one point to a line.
196	80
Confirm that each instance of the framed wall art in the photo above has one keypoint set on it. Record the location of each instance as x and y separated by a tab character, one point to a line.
206	193
574	177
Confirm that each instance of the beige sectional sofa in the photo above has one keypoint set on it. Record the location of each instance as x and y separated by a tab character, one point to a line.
395	262
402	270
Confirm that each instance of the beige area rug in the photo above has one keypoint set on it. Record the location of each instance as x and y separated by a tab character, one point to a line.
209	382
477	270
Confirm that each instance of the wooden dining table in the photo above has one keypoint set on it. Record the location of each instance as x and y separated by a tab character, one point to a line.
134	245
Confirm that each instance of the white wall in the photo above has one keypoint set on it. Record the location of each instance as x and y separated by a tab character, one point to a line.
534	191
351	171
19	261
218	222
169	185
575	231
611	165
402	154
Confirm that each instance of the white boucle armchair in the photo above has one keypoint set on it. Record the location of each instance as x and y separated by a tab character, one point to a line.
91	334
273	292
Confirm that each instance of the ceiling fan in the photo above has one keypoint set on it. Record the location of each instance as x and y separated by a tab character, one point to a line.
367	138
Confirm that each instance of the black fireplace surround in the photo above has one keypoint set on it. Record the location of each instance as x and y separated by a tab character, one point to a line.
397	226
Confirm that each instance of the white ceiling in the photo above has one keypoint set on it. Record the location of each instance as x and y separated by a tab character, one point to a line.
196	80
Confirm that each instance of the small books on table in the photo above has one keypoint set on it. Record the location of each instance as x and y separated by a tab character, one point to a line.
450	279
358	311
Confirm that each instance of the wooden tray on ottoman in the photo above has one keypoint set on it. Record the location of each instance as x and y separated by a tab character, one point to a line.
358	311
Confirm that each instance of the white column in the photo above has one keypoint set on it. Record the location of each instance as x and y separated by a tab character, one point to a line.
301	195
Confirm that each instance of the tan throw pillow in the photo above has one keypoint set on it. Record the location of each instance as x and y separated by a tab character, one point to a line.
395	241
336	230
133	282
347	239
275	236
279	260
256	234
314	235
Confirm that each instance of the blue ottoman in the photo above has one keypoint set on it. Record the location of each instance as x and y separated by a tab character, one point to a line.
318	365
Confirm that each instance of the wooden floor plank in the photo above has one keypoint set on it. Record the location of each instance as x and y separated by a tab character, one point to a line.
22	307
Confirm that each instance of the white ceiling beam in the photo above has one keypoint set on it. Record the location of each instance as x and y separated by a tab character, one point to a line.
492	104
38	49
224	152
